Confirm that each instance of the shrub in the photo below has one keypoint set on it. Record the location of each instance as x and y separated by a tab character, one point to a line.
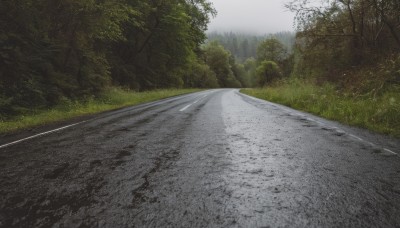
267	72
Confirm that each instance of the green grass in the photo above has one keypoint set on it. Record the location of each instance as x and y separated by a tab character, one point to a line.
379	113
113	98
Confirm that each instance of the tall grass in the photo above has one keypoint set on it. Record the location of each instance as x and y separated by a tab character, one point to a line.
378	113
113	98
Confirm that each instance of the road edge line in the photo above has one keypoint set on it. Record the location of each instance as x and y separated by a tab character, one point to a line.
40	134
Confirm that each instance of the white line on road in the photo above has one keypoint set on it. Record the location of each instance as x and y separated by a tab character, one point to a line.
41	134
65	127
356	137
387	150
188	106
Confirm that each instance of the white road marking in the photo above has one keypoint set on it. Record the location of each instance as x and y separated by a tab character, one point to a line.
387	150
40	134
188	106
356	137
65	127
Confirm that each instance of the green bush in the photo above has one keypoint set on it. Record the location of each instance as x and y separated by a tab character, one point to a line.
267	72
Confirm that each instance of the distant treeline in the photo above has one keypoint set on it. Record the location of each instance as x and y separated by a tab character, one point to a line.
244	46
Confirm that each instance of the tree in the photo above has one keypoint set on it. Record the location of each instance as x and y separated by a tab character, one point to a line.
271	50
267	72
239	72
337	39
199	75
52	50
389	13
250	66
157	48
219	61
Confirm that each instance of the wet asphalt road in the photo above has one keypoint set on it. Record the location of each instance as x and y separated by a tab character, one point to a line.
211	159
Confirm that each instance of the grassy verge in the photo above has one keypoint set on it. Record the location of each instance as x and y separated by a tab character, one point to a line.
378	113
112	99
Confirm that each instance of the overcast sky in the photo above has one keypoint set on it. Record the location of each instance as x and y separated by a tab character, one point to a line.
254	16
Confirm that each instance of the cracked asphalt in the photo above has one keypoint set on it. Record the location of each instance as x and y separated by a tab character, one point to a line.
216	158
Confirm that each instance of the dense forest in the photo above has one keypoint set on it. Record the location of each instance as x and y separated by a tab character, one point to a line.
57	50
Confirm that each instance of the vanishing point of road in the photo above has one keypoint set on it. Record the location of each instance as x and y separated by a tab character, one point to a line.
216	158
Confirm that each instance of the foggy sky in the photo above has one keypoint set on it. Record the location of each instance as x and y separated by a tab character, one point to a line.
252	16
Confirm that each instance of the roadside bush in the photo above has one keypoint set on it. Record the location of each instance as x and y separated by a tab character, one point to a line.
199	75
267	72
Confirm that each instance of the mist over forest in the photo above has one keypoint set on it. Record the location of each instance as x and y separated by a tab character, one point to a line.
244	45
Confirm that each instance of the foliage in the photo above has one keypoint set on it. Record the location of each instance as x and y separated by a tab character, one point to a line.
342	35
219	61
199	75
52	50
159	47
271	50
250	66
267	72
241	74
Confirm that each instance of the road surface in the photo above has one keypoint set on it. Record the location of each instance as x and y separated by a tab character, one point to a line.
216	158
